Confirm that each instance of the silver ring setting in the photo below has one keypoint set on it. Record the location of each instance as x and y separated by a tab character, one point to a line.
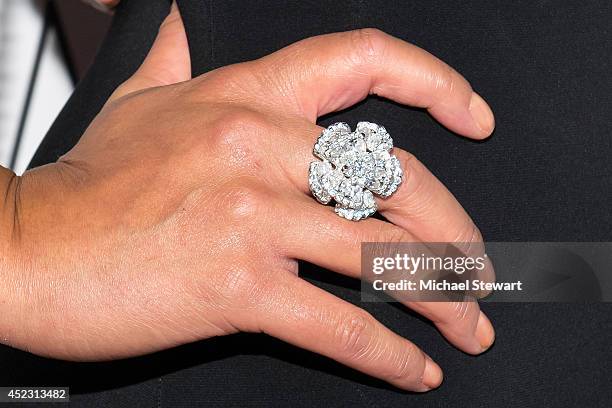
353	167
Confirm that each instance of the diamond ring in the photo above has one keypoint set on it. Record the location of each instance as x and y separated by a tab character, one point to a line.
353	167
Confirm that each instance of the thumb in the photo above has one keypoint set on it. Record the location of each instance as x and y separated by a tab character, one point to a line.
168	61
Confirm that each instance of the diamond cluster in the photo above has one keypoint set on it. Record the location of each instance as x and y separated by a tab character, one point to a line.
353	167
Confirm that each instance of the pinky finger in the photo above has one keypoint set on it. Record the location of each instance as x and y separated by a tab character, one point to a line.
313	319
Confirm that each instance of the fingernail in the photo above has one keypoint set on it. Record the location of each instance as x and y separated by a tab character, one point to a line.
432	376
482	114
485	334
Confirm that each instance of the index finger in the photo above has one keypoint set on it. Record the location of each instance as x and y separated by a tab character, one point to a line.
334	71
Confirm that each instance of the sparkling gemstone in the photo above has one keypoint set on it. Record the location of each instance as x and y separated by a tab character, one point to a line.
323	168
354	165
360	145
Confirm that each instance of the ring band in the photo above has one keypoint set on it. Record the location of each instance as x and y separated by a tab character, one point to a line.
353	167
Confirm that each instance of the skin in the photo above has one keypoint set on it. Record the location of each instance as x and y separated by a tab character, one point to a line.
181	213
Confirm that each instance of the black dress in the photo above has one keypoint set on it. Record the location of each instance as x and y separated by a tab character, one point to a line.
545	175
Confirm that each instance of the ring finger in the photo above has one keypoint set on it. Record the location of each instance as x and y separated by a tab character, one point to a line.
316	232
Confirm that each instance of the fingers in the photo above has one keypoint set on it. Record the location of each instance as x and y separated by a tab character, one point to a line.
463	324
421	204
332	72
316	232
311	318
168	61
424	206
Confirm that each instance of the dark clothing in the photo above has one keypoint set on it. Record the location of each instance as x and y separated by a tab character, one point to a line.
545	175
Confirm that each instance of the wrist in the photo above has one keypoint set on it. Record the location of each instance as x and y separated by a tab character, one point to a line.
9	191
17	298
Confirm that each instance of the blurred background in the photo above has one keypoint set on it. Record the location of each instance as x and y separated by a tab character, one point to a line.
46	46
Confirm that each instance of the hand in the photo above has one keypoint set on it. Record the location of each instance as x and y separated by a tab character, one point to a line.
183	209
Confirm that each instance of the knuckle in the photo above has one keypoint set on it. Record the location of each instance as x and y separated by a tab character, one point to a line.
463	312
473	235
447	82
368	44
242	203
355	335
395	235
240	286
238	134
233	126
446	79
403	364
469	240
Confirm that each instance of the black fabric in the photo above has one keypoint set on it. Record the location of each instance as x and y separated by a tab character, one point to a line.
545	175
